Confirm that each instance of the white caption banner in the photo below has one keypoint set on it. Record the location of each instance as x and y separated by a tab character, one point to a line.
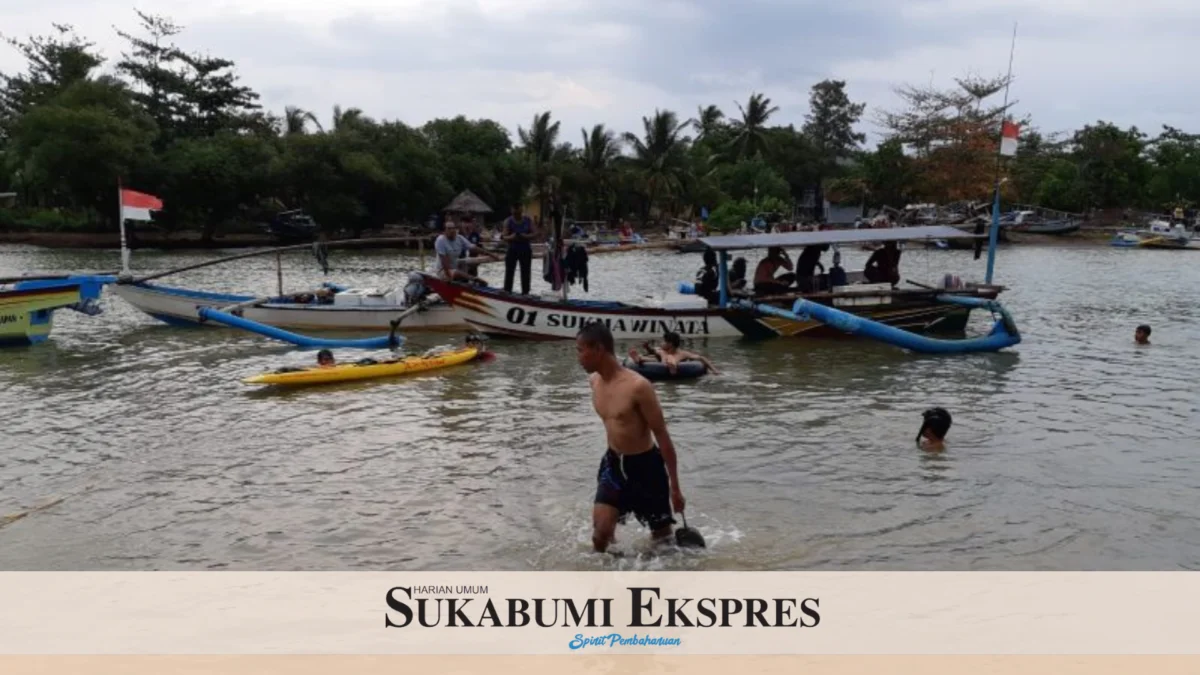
856	613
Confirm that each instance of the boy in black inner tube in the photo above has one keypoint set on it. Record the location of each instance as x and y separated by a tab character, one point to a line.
670	354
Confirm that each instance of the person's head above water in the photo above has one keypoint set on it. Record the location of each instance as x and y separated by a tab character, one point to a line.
671	340
710	258
1142	334
935	425
325	358
594	346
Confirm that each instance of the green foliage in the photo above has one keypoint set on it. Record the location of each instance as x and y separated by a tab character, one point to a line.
180	125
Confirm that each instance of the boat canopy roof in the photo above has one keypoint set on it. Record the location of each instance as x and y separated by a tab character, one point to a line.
738	242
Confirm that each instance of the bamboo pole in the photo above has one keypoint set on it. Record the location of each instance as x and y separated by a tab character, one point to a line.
345	243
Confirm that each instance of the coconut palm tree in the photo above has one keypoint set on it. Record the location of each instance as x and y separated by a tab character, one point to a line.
344	119
707	121
295	121
660	156
601	148
751	129
540	144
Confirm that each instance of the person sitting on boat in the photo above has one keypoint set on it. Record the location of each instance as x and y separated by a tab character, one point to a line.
707	279
934	427
807	264
884	265
473	237
450	247
1142	335
325	359
765	281
625	232
737	275
670	354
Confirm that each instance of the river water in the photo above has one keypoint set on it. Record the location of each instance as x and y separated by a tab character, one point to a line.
131	445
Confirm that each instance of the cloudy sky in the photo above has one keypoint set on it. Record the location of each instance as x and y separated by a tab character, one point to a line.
614	61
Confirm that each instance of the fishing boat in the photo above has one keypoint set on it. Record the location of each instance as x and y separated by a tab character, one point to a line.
494	312
27	305
331	307
1159	234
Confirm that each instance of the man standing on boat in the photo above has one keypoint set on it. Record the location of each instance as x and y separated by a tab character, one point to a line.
518	234
449	248
635	475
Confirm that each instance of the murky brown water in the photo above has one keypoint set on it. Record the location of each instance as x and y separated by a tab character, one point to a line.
131	445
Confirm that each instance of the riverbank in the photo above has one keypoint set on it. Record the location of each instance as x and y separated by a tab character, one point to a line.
193	241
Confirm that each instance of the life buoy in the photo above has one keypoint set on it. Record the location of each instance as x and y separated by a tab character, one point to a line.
658	372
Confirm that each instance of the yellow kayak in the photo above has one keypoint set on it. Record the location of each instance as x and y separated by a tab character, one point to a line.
368	369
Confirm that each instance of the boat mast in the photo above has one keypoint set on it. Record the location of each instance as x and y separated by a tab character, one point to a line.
994	234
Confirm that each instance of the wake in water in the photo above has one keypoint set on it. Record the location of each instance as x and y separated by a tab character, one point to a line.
11	518
634	550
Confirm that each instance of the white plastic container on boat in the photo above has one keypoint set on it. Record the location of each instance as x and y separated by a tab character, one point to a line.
681	302
357	297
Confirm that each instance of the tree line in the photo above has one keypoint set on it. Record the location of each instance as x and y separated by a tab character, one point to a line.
182	126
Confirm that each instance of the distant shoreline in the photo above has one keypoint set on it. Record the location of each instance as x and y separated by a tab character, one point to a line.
192	241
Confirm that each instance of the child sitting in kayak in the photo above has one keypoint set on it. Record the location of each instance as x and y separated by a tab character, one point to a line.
325	359
670	354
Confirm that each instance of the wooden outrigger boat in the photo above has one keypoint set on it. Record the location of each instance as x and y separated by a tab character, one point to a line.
1159	234
330	308
28	304
919	309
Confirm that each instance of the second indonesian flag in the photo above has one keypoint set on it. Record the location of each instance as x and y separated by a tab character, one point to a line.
138	205
1008	138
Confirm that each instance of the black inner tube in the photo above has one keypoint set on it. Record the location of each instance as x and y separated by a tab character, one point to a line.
655	371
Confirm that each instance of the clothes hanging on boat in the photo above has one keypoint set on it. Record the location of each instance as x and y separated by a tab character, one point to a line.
575	266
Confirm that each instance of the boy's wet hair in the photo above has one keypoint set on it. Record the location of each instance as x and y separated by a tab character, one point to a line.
324	354
672	338
936	420
597	333
1144	329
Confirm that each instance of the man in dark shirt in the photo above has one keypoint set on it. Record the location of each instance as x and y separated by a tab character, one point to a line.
518	234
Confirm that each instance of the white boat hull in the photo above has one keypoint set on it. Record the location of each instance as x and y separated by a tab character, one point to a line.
534	318
179	307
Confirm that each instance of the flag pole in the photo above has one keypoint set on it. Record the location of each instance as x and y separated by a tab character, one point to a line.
121	223
994	234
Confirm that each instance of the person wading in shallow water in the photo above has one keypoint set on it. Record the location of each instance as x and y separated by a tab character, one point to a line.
637	475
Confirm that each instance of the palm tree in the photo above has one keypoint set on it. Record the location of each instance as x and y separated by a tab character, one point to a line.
295	121
751	136
660	156
600	149
707	121
344	119
540	143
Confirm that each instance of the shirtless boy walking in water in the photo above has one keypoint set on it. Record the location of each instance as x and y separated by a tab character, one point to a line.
635	475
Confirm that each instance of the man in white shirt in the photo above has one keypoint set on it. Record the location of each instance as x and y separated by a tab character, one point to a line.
449	248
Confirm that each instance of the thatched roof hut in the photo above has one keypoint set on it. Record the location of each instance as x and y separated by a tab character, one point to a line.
467	202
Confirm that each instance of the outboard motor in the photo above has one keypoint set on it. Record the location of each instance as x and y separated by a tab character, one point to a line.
415	291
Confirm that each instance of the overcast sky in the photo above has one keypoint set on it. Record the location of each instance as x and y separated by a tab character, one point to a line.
614	61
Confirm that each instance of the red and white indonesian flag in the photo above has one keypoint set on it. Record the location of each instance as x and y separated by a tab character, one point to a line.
138	205
1008	138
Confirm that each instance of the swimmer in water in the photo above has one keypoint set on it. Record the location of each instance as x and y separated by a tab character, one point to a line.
670	354
1142	335
934	428
325	359
635	475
